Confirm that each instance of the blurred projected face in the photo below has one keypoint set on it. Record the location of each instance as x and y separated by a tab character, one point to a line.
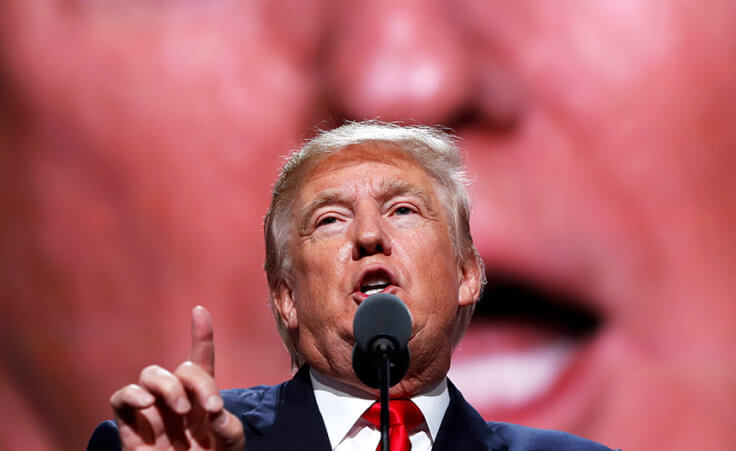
143	138
601	134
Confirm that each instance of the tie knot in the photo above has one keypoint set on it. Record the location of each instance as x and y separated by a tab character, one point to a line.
400	411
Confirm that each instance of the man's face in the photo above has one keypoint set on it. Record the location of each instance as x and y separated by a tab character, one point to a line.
369	220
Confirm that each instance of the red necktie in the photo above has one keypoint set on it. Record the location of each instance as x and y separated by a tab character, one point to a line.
404	416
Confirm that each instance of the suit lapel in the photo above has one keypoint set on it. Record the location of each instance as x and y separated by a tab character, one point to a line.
463	428
287	418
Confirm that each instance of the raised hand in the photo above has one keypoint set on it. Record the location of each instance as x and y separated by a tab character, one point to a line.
179	410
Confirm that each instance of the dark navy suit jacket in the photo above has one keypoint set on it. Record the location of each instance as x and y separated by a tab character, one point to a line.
286	417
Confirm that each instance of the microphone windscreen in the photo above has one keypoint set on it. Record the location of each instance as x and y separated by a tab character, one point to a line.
382	315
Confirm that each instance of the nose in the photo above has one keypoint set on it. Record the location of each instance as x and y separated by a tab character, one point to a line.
369	236
397	60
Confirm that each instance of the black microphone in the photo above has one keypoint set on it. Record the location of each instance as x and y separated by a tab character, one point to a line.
382	327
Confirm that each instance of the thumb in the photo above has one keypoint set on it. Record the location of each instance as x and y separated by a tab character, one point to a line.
203	346
227	431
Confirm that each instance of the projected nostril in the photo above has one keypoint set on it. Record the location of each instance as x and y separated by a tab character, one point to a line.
398	60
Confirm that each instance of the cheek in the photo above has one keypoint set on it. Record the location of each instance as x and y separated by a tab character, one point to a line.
324	265
320	278
433	249
434	273
343	252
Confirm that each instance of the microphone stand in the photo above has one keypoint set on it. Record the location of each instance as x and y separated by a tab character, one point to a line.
384	373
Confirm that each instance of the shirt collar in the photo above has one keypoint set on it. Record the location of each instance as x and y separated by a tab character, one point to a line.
341	405
433	403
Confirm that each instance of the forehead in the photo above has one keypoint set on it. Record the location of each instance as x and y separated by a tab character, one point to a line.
365	166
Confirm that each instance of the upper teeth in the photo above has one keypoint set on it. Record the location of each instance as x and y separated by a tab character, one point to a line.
373	287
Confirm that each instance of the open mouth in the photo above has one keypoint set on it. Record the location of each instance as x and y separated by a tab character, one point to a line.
373	280
522	342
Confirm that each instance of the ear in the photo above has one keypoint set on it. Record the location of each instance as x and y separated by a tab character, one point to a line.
283	301
470	282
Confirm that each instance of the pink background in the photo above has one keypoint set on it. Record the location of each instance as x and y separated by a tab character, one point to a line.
139	141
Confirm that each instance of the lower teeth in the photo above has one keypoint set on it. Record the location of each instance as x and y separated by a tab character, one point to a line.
511	379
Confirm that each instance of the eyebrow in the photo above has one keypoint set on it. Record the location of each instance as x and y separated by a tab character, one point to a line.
387	190
327	197
394	188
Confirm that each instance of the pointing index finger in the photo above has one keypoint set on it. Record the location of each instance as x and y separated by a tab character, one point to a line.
203	347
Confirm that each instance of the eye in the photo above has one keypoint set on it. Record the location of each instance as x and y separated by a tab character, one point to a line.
403	210
326	221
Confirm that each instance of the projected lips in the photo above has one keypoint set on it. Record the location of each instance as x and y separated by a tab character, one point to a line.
523	342
539	351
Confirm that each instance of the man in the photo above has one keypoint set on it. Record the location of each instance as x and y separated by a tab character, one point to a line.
362	209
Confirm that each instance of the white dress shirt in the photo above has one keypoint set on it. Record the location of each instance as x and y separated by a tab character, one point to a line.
342	405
